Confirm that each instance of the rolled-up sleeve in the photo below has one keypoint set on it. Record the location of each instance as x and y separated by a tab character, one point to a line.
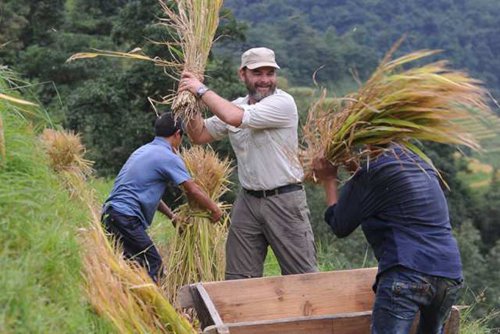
216	127
275	111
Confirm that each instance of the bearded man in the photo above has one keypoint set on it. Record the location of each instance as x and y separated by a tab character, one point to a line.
271	208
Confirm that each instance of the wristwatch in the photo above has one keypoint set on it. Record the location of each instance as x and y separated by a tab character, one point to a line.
201	90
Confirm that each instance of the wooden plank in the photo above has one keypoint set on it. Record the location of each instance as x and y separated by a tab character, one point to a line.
202	312
308	287
217	321
348	323
281	297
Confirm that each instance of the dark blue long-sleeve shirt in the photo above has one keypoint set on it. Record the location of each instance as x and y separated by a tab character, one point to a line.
402	210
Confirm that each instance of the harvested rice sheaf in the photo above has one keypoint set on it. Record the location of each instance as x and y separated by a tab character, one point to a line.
192	25
195	23
396	105
66	156
197	250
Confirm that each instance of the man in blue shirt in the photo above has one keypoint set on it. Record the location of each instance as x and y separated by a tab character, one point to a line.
139	187
397	200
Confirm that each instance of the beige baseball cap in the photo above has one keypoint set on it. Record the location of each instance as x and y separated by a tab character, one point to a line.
258	57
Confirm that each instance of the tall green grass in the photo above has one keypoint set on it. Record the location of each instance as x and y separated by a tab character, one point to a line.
40	276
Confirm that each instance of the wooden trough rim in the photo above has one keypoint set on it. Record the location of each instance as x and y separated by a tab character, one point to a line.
185	298
222	328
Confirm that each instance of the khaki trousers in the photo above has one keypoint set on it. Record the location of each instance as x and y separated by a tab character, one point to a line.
280	221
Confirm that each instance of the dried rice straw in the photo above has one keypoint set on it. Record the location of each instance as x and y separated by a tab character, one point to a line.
394	106
197	250
117	289
195	22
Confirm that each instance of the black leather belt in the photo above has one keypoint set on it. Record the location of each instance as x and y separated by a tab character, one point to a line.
280	190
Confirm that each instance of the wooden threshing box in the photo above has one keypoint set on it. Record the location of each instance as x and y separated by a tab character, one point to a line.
334	302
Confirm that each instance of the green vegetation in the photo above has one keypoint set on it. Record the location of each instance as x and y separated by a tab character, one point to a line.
41	282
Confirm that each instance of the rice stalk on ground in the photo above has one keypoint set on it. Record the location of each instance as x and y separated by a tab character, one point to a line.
66	157
197	249
122	291
117	289
396	105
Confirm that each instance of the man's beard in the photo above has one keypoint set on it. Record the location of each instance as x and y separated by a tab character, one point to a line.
257	96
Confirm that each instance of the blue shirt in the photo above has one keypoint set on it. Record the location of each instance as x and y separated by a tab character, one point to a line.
402	210
139	186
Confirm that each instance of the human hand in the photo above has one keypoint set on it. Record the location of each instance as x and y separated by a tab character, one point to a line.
216	215
323	169
189	82
175	220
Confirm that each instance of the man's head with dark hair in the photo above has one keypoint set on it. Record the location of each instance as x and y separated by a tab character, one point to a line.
166	125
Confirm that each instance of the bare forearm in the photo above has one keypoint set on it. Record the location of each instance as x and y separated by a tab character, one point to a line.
194	193
331	192
165	209
222	108
203	200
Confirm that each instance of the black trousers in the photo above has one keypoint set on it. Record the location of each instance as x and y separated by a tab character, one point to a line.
137	245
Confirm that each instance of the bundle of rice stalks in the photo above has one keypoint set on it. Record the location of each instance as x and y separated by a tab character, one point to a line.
195	22
122	291
395	105
65	152
197	250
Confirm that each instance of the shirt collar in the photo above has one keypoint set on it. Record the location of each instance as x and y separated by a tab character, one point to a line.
162	142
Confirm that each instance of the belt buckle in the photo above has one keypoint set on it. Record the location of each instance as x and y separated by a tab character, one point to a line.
269	193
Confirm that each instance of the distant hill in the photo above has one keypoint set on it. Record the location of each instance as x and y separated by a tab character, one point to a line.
355	34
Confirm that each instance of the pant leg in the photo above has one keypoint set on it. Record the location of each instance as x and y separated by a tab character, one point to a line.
434	315
136	243
246	246
288	230
400	294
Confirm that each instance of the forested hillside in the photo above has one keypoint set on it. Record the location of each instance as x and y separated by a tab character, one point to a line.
353	35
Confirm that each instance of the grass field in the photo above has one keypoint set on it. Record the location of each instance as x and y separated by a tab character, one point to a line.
41	286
